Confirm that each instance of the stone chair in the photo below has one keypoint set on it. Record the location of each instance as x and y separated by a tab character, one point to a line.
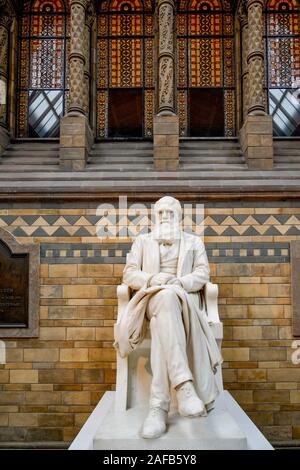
134	372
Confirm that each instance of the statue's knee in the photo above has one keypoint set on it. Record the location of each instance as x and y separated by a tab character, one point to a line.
164	304
167	295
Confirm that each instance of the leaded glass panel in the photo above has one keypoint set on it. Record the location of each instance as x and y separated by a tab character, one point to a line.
42	76
282	46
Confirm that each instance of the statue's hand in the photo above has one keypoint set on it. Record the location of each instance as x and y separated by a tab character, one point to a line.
175	282
160	279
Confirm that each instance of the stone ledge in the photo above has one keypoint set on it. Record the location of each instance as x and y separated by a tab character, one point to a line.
67	189
260	163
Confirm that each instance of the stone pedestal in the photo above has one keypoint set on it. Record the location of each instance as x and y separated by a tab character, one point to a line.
76	139
216	432
227	427
4	139
166	142
256	137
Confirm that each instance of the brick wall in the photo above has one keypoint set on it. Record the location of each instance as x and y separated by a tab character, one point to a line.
255	307
49	385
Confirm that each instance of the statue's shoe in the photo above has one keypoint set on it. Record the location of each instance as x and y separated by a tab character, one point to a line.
189	404
155	423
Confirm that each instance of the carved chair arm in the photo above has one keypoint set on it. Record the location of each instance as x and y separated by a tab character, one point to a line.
211	300
123	295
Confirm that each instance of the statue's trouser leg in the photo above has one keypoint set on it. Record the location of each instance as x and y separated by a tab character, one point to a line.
168	347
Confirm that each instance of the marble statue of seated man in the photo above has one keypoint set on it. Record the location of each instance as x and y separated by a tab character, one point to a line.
167	269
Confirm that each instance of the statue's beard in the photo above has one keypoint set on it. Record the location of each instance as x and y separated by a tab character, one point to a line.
166	231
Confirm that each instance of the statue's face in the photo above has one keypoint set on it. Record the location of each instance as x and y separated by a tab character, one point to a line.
166	216
167	222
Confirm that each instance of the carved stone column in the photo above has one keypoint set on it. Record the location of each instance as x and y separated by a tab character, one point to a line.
257	132
166	57
77	57
166	124
87	76
75	133
5	22
255	58
89	22
243	15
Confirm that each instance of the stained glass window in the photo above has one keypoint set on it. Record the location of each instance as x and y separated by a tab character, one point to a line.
42	80
282	39
125	61
205	31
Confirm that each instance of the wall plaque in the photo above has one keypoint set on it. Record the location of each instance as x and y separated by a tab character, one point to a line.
19	287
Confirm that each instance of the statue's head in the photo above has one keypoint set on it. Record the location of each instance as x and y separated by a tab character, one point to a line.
168	213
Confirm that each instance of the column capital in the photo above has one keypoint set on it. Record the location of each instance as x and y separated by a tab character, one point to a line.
82	3
77	55
255	54
161	2
255	2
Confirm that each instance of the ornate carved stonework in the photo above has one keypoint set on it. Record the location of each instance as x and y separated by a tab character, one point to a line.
166	83
255	58
86	89
166	65
89	19
77	57
243	17
165	32
76	85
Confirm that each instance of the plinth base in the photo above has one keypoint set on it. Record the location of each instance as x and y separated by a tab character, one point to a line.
226	427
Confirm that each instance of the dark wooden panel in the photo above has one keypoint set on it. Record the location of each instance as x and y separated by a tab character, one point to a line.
206	107
295	280
14	284
125	112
